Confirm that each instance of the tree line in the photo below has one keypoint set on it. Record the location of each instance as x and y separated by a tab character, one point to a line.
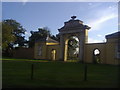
13	34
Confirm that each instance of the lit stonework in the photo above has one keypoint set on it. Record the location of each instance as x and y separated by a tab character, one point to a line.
46	48
70	28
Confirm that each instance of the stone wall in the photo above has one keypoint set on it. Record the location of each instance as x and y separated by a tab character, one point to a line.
89	49
25	53
49	52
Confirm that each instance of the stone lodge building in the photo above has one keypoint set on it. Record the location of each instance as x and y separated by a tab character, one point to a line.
47	48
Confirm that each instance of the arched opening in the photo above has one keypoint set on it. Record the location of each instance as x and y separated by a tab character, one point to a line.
96	56
53	54
71	49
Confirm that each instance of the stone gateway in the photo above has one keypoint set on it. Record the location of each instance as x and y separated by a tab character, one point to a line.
105	53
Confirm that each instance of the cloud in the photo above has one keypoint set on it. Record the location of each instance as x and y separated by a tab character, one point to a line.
96	24
92	5
24	1
102	17
99	35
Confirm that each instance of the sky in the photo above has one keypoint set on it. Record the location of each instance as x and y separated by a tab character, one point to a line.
102	17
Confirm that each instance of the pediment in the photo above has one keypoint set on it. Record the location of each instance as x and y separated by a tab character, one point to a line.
73	24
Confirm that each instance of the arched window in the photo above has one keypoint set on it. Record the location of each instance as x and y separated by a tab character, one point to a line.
96	56
96	51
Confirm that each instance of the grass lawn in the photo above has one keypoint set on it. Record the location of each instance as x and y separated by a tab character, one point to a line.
17	74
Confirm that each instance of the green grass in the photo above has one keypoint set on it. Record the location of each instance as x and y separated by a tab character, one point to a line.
14	59
17	74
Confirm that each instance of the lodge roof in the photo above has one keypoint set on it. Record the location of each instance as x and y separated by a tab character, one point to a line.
47	40
72	24
113	35
50	40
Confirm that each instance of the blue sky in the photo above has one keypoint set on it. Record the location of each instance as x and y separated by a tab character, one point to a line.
102	17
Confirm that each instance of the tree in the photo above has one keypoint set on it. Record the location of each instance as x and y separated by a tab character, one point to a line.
40	34
72	47
57	37
1	31
17	30
12	33
0	38
7	36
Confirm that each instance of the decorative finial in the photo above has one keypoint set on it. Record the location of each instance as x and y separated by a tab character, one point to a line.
73	17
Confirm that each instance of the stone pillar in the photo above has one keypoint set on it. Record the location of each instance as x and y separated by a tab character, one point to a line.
61	47
86	36
66	50
81	48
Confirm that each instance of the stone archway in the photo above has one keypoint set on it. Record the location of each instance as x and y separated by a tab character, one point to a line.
53	54
71	49
76	28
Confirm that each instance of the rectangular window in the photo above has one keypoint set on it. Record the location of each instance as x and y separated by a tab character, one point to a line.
39	50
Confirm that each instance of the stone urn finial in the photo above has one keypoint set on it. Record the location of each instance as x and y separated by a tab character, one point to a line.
73	17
